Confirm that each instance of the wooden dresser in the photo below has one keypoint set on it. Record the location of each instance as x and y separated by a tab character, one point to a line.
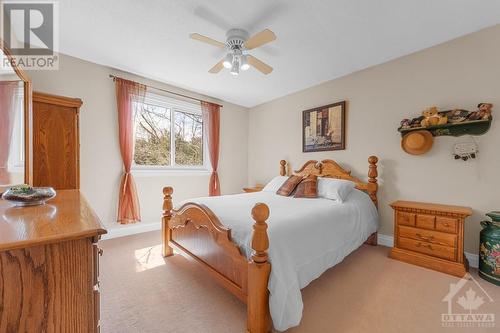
49	263
430	235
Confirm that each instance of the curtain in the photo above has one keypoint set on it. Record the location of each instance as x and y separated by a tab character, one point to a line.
8	91
211	122
129	95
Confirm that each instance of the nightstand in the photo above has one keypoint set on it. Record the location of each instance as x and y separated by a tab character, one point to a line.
256	188
430	235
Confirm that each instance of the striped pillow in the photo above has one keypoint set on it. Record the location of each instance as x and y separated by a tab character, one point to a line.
308	187
291	183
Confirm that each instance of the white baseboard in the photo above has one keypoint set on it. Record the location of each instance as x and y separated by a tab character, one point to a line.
119	230
386	240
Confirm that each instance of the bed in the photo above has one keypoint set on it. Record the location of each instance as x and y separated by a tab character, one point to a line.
237	238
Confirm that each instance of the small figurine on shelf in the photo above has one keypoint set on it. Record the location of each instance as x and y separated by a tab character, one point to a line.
432	117
443	118
416	122
483	112
405	124
457	115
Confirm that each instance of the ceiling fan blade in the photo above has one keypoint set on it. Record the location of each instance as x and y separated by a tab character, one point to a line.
217	67
207	40
259	65
263	37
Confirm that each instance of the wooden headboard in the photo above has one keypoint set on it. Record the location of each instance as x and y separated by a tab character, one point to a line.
330	168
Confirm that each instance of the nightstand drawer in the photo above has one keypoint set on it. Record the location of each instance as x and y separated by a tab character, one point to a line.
430	236
425	221
404	218
434	250
446	224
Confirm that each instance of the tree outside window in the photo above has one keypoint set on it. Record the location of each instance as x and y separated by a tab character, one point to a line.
168	135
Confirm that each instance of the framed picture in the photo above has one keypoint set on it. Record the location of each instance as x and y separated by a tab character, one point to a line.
323	128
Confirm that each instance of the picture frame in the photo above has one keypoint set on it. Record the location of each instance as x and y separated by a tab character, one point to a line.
323	128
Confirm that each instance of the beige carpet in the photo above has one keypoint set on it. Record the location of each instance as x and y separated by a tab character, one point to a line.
367	292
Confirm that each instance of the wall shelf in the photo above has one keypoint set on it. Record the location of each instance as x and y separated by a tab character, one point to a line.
473	127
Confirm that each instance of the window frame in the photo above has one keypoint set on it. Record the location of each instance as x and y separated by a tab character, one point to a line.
16	161
174	105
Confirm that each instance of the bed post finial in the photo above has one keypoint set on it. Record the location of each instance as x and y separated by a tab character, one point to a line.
260	241
282	168
167	214
259	269
372	178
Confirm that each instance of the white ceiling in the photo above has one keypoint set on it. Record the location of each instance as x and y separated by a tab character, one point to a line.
316	40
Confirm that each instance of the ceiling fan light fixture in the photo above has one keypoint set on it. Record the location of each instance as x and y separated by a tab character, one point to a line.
235	70
244	65
228	61
238	43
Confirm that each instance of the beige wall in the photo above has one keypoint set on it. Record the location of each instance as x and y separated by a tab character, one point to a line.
101	164
459	73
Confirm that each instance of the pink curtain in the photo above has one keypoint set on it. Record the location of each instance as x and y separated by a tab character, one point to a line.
127	94
8	91
211	121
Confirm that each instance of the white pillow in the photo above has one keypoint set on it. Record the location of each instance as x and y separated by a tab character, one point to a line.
335	189
275	184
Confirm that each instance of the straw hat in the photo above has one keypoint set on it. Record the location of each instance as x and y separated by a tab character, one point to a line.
417	142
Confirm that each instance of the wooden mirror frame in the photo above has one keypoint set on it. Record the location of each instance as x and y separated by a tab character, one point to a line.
28	119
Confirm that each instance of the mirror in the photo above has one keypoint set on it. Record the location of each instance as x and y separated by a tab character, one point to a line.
15	107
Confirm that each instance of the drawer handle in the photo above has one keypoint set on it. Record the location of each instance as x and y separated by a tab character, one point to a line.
428	239
446	224
429	246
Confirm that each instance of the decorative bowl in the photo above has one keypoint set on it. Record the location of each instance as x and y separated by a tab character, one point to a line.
28	196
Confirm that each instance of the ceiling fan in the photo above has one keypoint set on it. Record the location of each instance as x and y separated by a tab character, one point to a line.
237	44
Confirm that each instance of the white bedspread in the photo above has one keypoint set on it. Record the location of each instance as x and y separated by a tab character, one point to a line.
306	237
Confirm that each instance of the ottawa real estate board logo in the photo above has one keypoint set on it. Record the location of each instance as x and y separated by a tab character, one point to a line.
467	302
30	34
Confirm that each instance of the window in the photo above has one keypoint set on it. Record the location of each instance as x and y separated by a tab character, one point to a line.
168	134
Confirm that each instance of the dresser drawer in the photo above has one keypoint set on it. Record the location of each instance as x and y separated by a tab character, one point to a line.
446	224
430	236
434	250
425	221
404	218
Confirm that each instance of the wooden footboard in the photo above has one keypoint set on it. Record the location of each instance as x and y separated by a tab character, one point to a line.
197	233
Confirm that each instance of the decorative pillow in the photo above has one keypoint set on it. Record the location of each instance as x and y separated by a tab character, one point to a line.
291	183
307	187
275	184
335	189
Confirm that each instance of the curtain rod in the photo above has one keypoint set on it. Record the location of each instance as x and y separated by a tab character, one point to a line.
167	91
